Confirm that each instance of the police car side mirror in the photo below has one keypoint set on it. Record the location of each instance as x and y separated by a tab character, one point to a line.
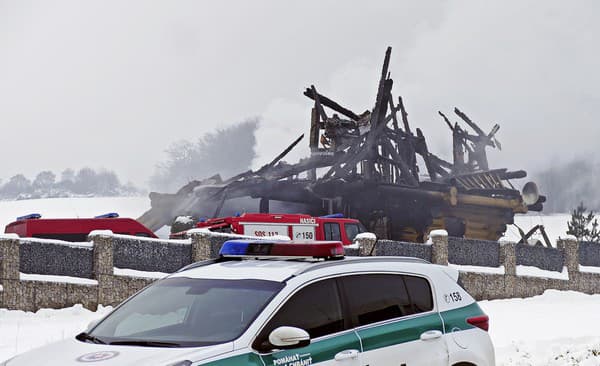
289	337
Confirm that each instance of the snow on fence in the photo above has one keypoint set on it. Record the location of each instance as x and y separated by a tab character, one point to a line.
37	273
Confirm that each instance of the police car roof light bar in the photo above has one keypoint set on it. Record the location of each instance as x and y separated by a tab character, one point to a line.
287	249
32	216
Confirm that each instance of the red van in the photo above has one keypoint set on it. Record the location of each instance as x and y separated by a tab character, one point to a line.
75	229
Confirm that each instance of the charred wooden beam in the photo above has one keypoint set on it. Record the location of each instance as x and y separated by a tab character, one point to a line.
331	104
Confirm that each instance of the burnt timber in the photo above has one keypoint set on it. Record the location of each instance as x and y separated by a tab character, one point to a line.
365	166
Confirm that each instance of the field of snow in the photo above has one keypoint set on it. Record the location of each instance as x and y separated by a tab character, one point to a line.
132	207
73	207
555	225
556	328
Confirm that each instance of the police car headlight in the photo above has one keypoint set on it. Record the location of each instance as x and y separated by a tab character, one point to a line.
180	363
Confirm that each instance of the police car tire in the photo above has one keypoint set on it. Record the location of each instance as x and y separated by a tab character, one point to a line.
464	364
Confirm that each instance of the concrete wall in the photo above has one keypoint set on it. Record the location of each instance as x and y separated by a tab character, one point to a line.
93	279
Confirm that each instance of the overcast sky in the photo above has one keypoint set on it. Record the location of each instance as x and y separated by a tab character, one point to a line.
111	84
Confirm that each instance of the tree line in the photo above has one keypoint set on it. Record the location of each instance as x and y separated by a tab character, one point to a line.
85	182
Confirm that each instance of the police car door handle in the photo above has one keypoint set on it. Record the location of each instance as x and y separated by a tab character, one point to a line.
430	335
346	354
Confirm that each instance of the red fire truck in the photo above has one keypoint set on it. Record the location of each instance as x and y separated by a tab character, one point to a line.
75	229
297	226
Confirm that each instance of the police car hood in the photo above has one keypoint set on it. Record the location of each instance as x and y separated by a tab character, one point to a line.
73	352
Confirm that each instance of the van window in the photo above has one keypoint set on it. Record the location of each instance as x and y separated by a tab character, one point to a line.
351	231
332	231
315	308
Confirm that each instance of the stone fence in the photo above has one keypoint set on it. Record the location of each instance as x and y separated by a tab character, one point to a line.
38	273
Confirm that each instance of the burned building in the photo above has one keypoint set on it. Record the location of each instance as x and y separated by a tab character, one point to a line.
365	165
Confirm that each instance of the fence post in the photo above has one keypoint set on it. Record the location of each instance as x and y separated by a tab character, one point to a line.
570	247
366	245
104	266
9	271
201	246
439	247
508	259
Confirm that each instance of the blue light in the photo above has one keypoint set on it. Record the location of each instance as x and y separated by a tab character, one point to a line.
237	214
110	215
32	216
202	219
334	216
234	247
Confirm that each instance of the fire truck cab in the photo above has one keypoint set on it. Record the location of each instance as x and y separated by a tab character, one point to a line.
297	226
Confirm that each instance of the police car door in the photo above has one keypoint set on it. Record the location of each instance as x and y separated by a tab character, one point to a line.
395	320
317	309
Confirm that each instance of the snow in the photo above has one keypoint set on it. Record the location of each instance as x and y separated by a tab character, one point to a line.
556	328
546	330
589	269
538	272
555	225
74	207
141	274
21	331
438	233
365	236
185	220
478	269
101	233
60	242
54	278
9	236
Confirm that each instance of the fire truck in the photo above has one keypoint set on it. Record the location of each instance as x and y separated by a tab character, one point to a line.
297	226
75	229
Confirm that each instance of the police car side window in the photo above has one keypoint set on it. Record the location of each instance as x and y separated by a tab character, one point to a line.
377	297
315	308
332	231
420	293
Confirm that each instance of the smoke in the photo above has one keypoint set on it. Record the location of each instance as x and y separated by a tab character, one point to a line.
226	152
567	184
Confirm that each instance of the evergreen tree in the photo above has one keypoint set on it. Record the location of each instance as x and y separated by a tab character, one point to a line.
584	224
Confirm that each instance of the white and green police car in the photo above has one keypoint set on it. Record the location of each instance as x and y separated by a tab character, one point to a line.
287	304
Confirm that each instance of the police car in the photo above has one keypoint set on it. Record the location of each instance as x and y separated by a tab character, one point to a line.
287	304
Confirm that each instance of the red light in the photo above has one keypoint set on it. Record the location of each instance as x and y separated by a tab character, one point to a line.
316	250
481	322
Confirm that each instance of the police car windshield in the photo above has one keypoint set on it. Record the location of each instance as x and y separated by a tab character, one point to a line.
187	312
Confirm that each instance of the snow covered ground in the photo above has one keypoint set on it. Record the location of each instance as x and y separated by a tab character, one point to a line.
555	225
556	328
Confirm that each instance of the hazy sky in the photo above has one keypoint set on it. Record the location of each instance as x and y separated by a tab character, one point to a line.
111	84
